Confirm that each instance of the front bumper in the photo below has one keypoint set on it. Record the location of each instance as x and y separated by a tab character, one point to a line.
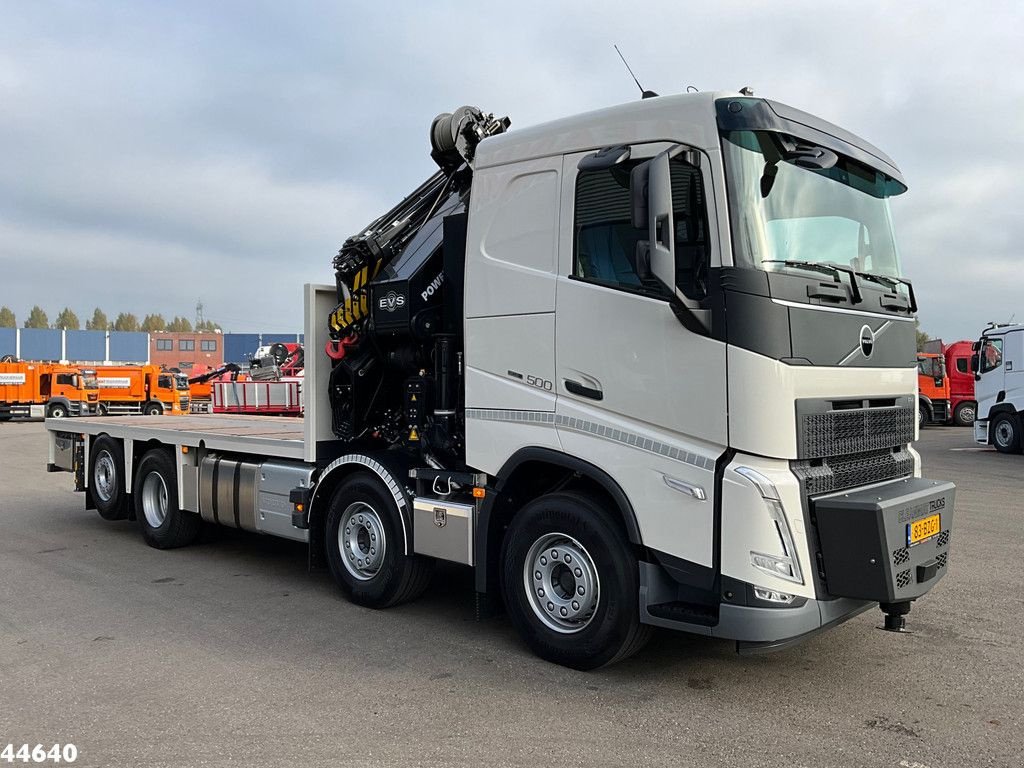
862	556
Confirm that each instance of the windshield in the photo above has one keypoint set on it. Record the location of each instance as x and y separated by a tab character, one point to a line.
89	381
784	212
165	382
930	366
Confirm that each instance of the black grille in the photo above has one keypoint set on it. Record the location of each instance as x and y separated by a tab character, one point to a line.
840	472
943	539
900	556
902	579
842	432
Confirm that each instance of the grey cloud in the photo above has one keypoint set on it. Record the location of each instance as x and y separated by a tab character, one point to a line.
235	145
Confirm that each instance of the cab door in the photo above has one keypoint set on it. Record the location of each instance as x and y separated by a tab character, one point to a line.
639	395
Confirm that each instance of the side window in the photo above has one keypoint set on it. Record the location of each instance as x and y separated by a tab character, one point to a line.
164	345
992	355
208	345
605	241
65	378
961	364
186	345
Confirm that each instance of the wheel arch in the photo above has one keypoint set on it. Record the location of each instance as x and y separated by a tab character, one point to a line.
532	472
388	468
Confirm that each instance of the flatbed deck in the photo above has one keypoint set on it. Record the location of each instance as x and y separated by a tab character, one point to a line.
274	436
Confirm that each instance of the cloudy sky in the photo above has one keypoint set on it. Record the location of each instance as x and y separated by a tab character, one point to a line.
153	153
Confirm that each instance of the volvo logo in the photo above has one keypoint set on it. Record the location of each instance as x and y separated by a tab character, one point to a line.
867	340
391	301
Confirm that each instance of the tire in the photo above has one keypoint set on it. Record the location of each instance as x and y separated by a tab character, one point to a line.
923	416
1006	433
155	499
364	543
963	416
153	409
106	478
102	410
548	537
57	411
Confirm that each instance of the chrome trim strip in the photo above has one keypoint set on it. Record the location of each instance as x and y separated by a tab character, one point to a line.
841	311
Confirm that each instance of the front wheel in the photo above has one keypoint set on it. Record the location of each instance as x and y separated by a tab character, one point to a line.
155	495
57	411
153	409
963	416
571	583
364	546
1006	433
102	410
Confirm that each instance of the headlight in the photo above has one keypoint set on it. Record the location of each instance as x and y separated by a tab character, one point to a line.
786	566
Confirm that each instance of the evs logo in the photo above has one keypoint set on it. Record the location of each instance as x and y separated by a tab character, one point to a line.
391	301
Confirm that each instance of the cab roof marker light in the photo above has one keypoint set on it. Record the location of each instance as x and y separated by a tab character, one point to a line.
785	567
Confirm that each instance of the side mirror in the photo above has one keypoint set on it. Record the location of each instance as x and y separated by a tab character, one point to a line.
975	363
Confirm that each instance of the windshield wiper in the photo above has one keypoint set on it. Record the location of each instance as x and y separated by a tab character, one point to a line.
894	283
829	268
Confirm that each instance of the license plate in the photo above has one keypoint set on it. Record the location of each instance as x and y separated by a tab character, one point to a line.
922	529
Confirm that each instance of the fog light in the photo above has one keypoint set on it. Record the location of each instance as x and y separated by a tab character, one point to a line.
771	596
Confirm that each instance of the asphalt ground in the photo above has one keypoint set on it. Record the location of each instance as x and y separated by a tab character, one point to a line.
230	653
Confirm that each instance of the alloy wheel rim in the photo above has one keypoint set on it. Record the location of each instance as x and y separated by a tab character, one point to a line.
105	476
361	540
561	583
154	499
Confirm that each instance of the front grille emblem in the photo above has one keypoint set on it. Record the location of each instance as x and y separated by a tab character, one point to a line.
867	340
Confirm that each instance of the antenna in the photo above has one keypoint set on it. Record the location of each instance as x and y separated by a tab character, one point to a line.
200	321
643	94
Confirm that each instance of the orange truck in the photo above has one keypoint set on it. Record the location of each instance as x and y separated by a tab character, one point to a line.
46	389
932	389
146	389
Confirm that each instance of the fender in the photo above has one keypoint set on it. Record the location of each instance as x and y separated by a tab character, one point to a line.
59	400
926	401
558	459
387	467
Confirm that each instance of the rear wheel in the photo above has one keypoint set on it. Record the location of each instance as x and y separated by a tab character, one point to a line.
364	546
1006	433
571	583
57	411
153	409
155	496
963	416
106	478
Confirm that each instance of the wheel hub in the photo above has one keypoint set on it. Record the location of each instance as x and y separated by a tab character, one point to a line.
1004	433
105	476
561	582
154	499
361	540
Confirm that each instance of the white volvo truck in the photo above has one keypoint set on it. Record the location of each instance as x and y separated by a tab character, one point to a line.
648	366
998	365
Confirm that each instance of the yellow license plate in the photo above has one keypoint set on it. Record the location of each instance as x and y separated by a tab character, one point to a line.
922	529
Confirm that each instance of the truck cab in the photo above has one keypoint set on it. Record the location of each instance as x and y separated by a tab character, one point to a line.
38	389
932	389
998	362
145	389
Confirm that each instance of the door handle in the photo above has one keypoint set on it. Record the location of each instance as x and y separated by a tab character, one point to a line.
578	389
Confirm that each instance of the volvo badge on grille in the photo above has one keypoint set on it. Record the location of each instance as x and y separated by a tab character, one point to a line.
440	517
867	340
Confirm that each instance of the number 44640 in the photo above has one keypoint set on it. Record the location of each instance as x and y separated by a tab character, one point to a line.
67	753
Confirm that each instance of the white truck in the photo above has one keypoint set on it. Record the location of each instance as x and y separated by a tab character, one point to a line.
998	365
648	366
